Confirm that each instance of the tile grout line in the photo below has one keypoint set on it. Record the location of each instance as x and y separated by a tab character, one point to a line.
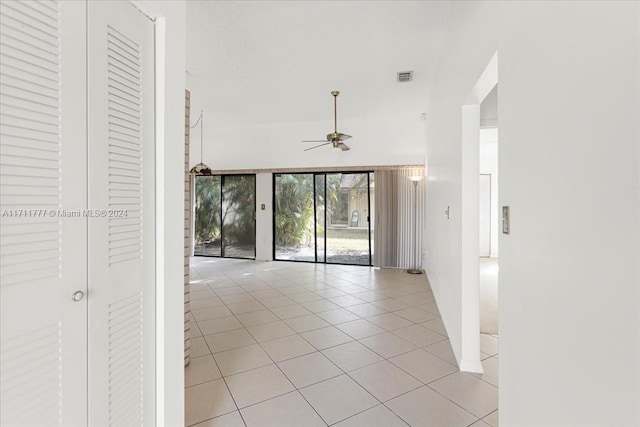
228	391
285	376
335	325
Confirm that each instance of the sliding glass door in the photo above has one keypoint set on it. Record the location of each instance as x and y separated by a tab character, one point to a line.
347	230
320	218
294	216
239	216
323	217
225	207
207	226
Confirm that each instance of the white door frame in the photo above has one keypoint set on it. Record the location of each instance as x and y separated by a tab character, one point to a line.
170	38
470	360
169	222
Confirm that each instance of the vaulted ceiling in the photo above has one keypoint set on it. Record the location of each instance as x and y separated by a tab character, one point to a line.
265	63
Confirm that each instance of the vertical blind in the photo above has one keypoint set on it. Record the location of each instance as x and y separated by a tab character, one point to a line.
398	241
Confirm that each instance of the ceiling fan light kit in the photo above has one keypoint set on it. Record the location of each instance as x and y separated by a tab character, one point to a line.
334	138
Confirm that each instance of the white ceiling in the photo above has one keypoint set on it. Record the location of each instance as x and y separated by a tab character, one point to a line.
266	63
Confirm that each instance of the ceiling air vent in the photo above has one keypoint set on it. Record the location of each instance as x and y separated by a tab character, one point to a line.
405	76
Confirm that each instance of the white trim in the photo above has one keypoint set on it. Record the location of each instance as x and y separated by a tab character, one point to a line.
319	169
137	5
474	366
485	84
470	253
160	25
470	148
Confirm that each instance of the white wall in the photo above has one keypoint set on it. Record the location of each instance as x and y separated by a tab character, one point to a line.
170	208
569	324
264	218
394	140
263	72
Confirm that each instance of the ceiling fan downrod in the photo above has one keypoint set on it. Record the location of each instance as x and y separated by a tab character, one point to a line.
335	94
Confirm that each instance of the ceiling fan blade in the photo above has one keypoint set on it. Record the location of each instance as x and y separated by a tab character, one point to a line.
344	136
326	143
344	147
314	140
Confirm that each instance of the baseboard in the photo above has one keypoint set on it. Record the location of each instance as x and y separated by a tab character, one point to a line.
474	366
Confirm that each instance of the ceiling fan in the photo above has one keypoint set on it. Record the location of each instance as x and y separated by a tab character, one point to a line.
335	138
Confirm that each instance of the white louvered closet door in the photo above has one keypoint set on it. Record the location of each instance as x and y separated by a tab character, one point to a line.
71	142
121	243
43	344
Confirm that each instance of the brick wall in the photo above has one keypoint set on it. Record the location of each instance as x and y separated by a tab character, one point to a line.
187	229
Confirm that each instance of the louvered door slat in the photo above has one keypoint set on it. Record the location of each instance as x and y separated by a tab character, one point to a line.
125	150
42	100
30	376
20	129
121	159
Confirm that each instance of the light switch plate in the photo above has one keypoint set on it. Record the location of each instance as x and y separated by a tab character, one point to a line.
506	220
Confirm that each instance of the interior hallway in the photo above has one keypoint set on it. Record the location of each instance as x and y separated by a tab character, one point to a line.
298	344
489	295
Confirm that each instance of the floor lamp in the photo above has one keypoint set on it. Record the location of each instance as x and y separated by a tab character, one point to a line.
415	179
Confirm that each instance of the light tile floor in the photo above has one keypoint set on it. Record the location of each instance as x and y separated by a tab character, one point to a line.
296	344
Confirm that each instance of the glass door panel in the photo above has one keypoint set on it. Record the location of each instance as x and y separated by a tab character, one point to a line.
207	230
320	226
323	217
372	209
348	219
225	216
239	216
293	217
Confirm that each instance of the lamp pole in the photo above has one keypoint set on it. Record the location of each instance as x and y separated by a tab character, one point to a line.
415	269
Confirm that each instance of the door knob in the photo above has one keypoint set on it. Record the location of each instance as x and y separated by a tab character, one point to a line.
77	296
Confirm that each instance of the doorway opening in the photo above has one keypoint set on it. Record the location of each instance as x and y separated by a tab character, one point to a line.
488	227
473	238
323	217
